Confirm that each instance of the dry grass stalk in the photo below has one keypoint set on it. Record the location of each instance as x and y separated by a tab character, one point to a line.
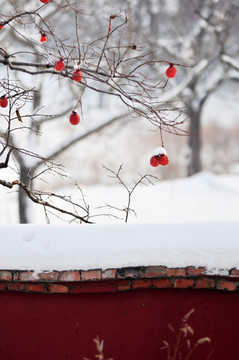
174	351
99	347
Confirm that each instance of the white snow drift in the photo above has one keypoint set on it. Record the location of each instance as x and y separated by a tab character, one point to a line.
46	248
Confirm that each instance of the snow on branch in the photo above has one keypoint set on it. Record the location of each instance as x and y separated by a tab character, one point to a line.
228	60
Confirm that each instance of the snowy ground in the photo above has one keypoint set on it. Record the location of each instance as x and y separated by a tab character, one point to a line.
203	197
192	221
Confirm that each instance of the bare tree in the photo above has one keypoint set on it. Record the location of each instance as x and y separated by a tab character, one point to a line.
35	70
199	32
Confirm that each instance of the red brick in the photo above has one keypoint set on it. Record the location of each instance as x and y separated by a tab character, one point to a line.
69	276
93	287
129	273
176	272
109	274
162	283
6	275
16	287
25	276
91	275
183	283
191	270
36	288
152	271
205	283
49	276
3	287
141	284
124	285
57	288
235	272
226	285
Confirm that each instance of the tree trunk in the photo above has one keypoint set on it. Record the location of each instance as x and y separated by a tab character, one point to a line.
194	165
23	201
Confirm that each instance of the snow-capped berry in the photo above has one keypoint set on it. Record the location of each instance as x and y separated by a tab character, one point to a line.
159	151
171	71
45	1
3	101
1	26
43	37
159	157
60	66
154	161
77	76
163	160
74	118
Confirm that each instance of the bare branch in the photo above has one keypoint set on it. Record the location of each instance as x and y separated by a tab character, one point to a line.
36	197
117	175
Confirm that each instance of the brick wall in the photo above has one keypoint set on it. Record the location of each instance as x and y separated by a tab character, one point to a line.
56	315
123	279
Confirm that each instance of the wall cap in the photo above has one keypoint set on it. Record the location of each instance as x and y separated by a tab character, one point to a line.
121	279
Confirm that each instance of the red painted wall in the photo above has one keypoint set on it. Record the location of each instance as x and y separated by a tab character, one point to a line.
132	324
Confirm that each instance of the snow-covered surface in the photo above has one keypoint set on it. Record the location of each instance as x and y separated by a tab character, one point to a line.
45	248
182	222
201	198
204	197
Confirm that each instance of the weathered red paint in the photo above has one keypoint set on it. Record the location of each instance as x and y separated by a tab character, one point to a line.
132	324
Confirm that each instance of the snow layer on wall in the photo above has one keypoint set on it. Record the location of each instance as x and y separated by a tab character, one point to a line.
214	245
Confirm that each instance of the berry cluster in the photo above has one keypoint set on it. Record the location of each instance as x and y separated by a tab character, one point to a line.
159	157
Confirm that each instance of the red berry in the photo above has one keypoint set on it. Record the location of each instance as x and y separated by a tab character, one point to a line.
45	1
43	38
1	26
3	102
59	66
154	161
77	76
171	71
163	160
74	118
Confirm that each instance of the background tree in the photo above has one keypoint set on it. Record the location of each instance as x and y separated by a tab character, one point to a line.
46	81
198	32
